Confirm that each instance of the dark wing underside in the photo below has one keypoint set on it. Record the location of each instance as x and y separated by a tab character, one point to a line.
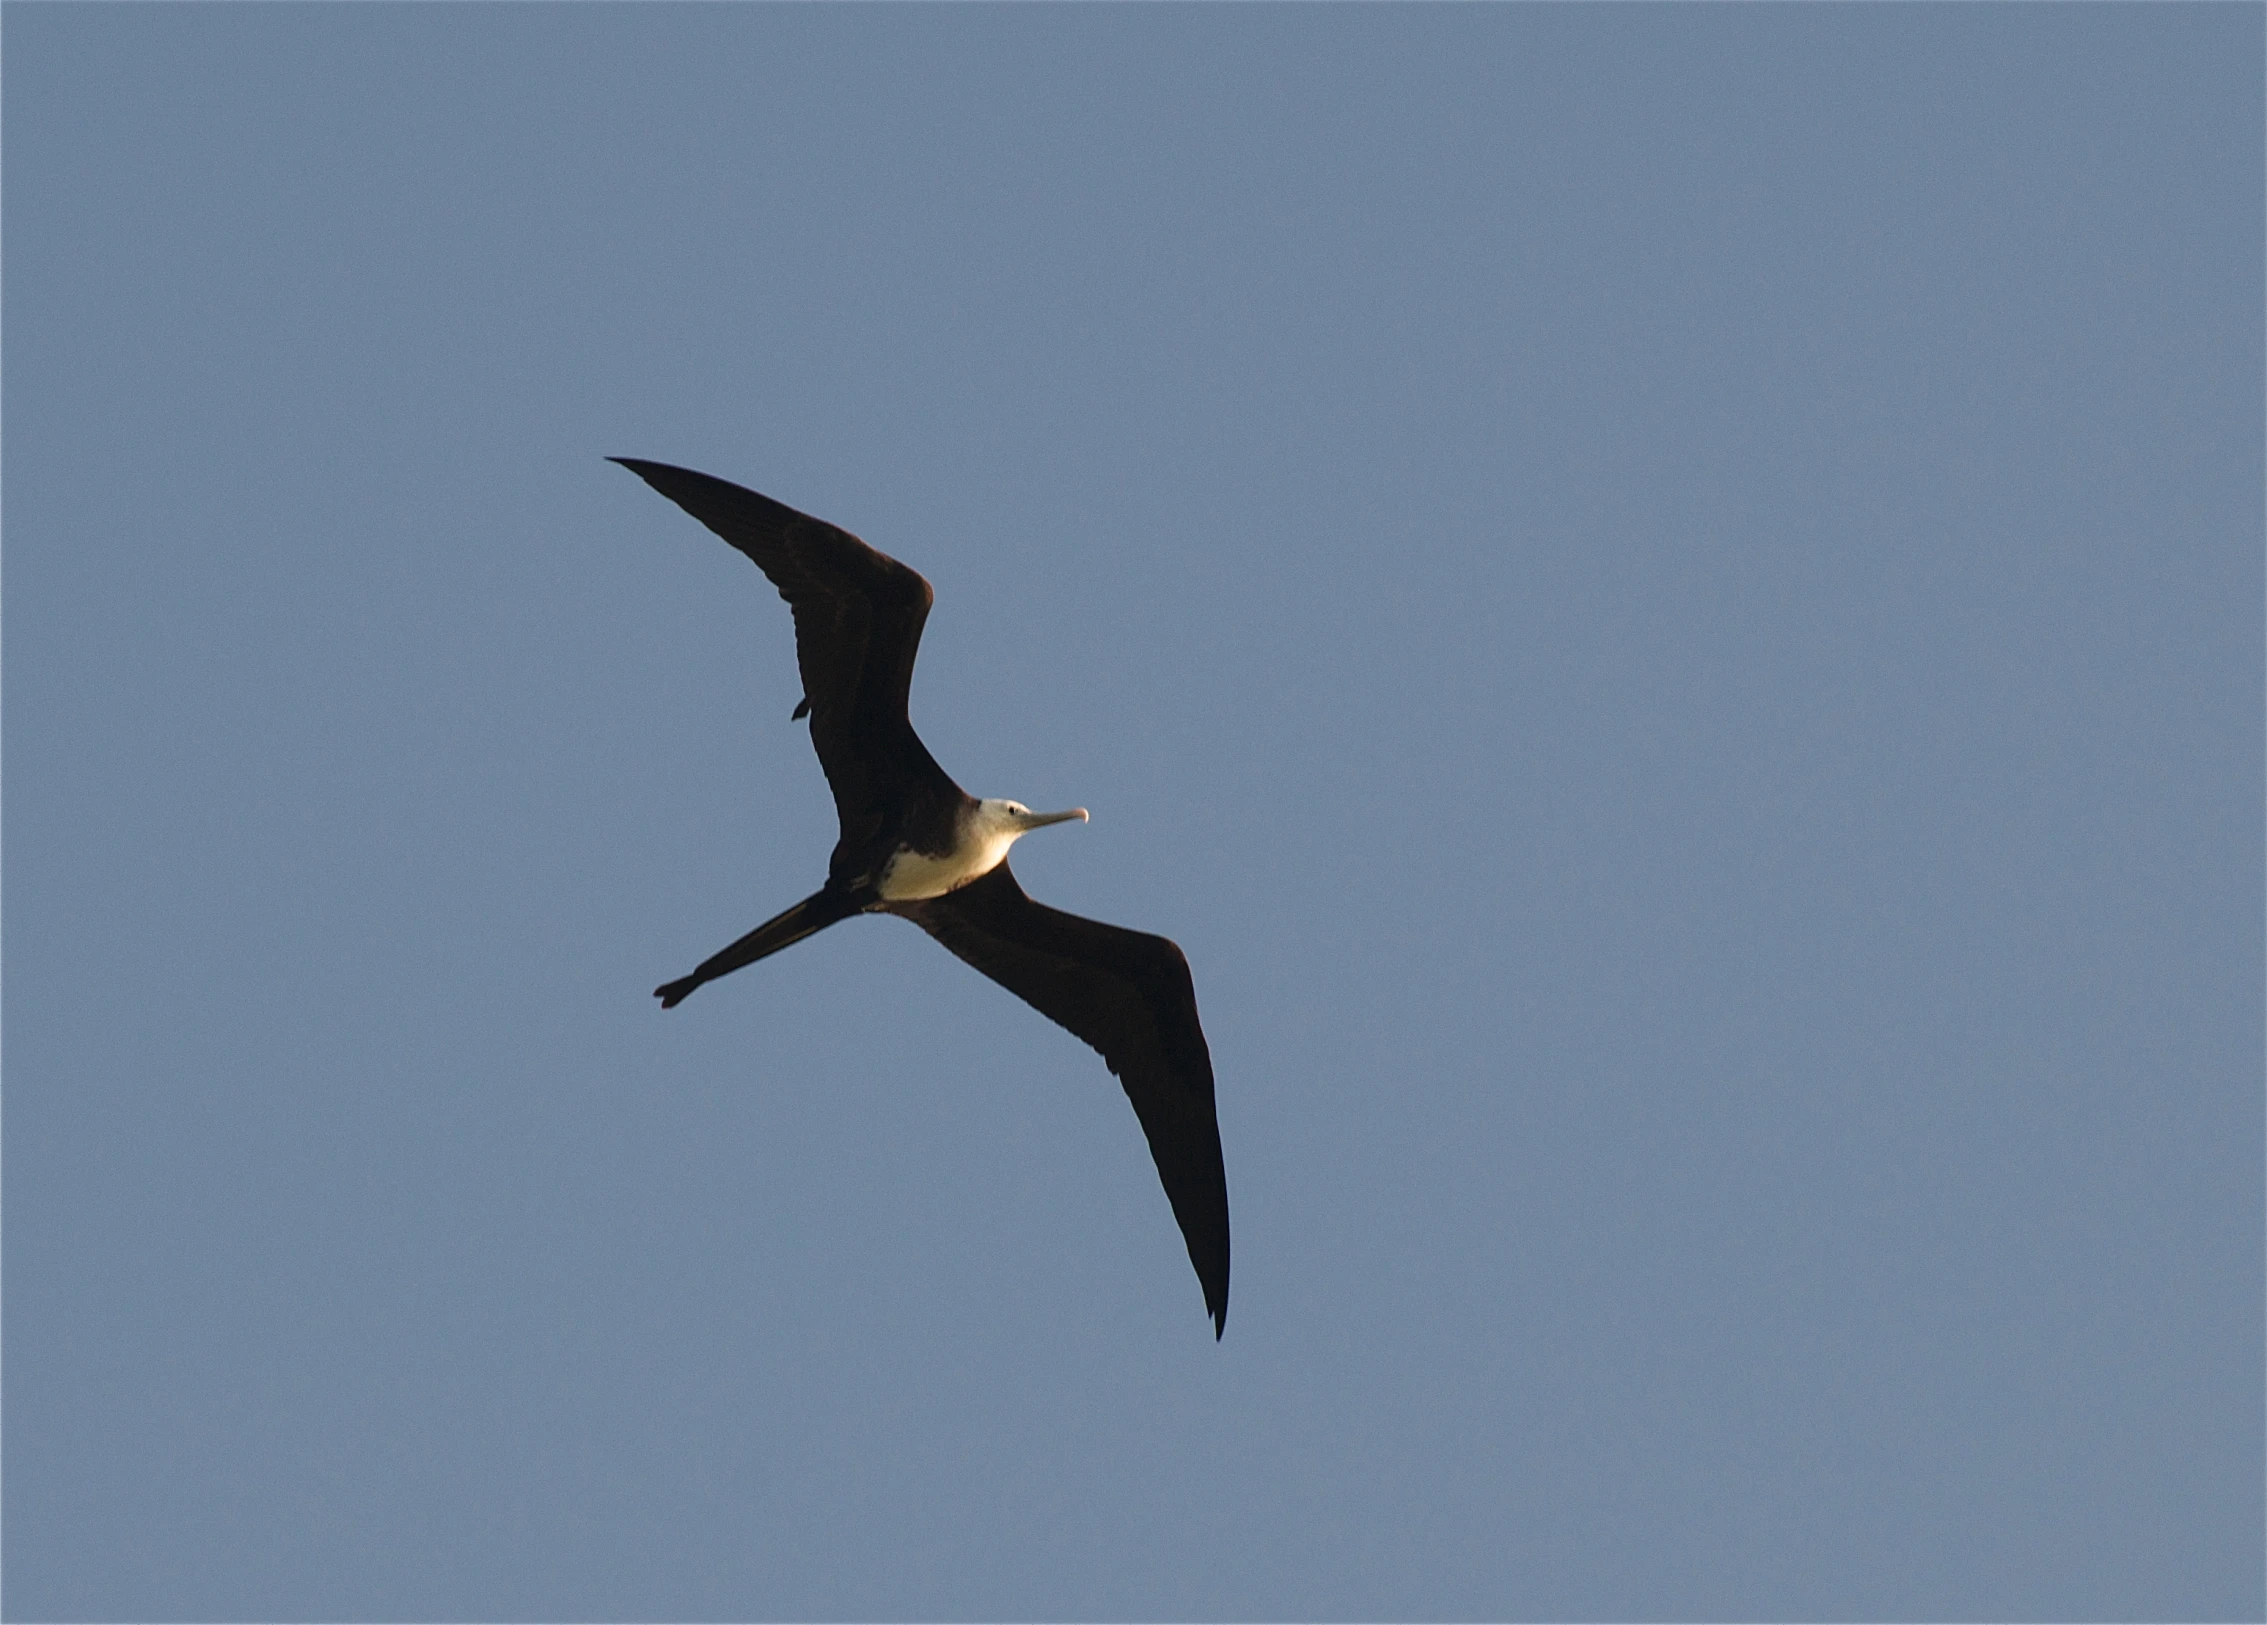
858	618
1128	995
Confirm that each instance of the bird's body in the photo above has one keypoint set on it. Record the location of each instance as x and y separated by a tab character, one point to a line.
914	844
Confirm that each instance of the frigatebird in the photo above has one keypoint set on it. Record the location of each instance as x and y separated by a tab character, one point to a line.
916	845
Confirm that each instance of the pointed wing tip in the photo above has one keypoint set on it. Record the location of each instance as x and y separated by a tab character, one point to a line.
653	473
1220	1323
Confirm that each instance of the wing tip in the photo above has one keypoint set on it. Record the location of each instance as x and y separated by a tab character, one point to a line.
653	473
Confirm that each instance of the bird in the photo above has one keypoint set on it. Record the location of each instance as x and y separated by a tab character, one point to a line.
916	845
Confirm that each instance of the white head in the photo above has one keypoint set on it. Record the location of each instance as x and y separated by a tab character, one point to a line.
1012	819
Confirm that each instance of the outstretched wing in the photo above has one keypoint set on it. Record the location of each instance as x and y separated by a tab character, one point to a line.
858	618
1127	994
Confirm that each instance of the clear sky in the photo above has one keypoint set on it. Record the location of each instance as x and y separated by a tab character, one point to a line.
1666	601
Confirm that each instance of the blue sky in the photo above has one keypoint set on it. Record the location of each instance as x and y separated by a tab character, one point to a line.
1666	601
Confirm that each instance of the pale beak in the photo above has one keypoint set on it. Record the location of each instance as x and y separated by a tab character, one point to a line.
1032	821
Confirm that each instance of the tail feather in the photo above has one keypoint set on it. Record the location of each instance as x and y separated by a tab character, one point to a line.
812	915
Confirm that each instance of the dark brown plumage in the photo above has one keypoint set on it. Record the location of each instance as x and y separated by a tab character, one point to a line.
906	827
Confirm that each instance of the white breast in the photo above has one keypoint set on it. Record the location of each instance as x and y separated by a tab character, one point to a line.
912	875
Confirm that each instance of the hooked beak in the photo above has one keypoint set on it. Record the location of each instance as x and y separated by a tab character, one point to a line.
1032	821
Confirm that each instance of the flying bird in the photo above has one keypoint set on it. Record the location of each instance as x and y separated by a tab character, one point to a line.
916	845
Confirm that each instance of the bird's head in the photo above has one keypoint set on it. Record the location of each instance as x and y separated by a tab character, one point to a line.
1013	818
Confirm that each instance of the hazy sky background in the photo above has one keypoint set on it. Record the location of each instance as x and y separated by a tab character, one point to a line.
1667	602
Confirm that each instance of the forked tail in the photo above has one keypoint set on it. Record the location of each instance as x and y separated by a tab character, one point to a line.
813	914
